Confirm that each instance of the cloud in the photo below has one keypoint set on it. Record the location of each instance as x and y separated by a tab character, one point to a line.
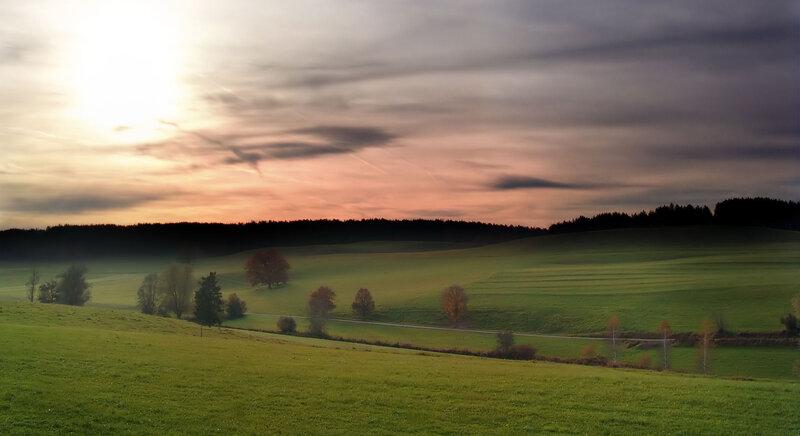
76	203
731	46
508	183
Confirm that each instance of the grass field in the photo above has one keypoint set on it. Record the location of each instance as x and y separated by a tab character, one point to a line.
763	362
563	283
567	284
90	370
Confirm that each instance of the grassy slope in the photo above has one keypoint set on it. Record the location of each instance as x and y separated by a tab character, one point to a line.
563	283
98	371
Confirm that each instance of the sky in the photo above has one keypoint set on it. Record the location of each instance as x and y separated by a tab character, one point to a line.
518	112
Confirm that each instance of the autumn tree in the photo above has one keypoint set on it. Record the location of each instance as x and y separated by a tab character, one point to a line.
175	285
208	304
454	303
73	288
32	283
363	304
665	331
267	267
147	295
705	340
320	305
613	333
235	307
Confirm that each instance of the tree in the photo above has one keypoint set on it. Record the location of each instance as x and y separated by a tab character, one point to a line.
48	292
454	303
208	305
287	325
505	340
267	267
705	340
73	289
320	305
613	332
147	295
363	304
32	283
666	331
175	288
236	307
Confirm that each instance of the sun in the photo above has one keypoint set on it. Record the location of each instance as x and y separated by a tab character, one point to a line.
127	63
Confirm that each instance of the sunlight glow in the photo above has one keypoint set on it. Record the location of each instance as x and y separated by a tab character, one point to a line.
126	69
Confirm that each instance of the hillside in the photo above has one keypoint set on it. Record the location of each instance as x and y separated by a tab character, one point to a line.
105	371
566	283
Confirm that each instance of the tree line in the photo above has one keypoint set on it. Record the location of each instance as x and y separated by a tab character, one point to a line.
190	240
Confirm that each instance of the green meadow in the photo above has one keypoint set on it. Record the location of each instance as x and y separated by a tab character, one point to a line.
104	371
559	284
567	283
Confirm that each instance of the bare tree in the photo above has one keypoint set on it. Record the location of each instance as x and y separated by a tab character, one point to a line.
176	284
32	283
454	303
666	331
613	332
705	341
147	295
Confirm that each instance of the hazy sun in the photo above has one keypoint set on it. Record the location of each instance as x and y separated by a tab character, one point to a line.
127	66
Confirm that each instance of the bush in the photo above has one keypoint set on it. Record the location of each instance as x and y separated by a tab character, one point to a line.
521	352
48	292
287	325
645	362
588	352
790	324
235	306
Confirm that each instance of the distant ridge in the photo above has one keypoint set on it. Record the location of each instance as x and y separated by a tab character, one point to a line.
189	240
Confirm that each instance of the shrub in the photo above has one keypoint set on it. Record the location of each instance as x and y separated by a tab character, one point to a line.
287	325
521	352
588	352
48	292
235	307
645	362
790	324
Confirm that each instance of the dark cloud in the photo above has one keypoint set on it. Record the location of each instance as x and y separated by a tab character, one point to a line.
507	183
715	152
321	141
74	203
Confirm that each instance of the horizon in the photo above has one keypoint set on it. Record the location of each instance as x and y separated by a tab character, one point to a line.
511	112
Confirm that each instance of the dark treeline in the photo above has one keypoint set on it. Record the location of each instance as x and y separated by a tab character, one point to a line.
190	240
762	212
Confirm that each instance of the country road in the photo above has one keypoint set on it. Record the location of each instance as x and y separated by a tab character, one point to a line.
425	327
